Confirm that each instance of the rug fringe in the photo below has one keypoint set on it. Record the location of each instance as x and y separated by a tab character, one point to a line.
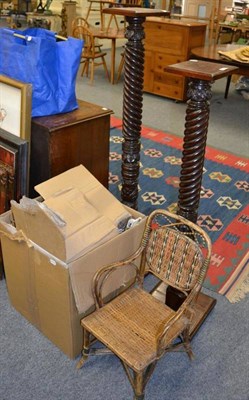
240	292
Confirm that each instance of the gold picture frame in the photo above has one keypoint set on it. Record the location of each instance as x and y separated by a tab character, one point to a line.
15	107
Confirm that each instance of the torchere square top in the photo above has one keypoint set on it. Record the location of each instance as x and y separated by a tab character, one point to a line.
136	12
204	70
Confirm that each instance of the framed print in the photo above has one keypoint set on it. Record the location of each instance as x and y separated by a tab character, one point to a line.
15	107
14	169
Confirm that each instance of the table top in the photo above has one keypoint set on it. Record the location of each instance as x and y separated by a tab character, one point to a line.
115	3
238	27
204	70
210	52
135	11
111	33
86	112
102	1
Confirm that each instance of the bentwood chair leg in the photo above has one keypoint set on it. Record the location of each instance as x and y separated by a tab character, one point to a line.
92	71
139	385
139	397
186	343
85	352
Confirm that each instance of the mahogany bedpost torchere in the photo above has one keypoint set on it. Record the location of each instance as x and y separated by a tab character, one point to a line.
133	96
201	75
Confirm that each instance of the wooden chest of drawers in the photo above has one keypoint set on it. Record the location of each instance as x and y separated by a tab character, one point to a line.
169	41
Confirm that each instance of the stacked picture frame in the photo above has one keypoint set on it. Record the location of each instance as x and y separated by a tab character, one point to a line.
15	128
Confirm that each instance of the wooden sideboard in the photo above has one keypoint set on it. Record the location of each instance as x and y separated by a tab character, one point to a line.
63	141
169	41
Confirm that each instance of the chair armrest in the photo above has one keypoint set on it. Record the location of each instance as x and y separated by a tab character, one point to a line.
104	273
185	311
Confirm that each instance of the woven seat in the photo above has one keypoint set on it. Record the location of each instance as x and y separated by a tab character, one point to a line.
129	333
135	325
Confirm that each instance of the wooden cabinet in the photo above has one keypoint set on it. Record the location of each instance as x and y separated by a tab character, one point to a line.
63	141
169	41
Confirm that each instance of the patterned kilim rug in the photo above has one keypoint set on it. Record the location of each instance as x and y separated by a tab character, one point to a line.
223	210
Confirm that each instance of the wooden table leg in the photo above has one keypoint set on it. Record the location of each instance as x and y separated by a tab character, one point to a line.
113	55
102	16
227	86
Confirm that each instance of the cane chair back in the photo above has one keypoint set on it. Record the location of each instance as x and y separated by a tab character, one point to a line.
174	258
91	55
135	325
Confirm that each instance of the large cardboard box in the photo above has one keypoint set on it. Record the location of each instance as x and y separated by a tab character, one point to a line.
54	292
77	214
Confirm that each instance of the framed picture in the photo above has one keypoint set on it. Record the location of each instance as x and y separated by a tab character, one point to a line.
15	107
14	169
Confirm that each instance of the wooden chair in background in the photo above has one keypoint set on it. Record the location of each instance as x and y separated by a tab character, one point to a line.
136	326
92	56
80	21
96	6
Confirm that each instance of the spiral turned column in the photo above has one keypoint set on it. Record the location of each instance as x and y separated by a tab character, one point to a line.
195	136
201	75
132	109
132	96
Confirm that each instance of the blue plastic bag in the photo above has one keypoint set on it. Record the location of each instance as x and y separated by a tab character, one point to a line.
36	56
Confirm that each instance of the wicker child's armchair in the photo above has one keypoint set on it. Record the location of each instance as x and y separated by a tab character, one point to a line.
137	327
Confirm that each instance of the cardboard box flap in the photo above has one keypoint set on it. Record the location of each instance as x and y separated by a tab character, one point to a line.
9	231
57	233
117	249
77	213
80	178
7	224
39	226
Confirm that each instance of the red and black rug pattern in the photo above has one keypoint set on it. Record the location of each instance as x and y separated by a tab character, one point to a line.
223	210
